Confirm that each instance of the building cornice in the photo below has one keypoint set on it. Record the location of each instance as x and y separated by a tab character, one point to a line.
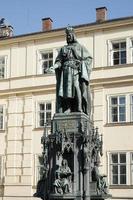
90	27
112	82
112	67
50	88
25	90
96	81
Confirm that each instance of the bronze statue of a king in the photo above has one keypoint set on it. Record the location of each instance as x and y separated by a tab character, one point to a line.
71	152
73	67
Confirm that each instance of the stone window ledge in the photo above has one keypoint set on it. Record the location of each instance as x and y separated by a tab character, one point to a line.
119	124
121	187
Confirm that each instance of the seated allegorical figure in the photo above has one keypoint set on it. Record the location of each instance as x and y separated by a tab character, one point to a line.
102	187
63	181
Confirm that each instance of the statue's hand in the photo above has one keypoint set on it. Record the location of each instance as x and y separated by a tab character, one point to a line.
50	70
56	66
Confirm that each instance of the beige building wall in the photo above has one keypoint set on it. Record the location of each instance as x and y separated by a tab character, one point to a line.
24	86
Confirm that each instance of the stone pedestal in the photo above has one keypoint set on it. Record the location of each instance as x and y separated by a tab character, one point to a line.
70	122
95	195
71	153
70	130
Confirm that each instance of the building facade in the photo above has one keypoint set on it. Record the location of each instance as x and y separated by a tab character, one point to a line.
27	102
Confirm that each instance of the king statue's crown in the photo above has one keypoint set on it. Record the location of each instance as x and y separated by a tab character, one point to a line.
69	29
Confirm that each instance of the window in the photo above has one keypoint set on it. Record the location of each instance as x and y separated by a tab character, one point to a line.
119	53
117	109
118	168
131	168
46	61
1	117
132	108
131	42
2	66
44	114
39	168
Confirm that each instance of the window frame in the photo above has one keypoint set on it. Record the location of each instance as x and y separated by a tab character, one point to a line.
2	125
131	168
119	164
131	107
41	60
45	114
118	105
131	49
4	66
110	43
119	51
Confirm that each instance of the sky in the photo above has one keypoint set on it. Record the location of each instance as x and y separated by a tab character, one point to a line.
25	15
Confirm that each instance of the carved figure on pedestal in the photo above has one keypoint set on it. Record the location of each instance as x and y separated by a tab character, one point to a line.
63	181
42	183
2	22
96	146
100	180
86	152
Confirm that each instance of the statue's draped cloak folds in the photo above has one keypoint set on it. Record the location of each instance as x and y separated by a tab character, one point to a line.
66	73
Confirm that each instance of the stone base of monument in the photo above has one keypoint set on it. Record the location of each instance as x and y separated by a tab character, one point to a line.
72	197
70	130
67	159
100	197
94	195
71	122
64	196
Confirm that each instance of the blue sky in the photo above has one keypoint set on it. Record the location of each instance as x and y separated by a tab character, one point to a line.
25	15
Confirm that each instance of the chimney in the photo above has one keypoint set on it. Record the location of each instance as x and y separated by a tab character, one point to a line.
46	24
101	14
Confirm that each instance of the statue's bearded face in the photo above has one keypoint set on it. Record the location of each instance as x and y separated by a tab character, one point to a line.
70	37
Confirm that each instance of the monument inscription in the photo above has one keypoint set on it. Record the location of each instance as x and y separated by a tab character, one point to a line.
67	125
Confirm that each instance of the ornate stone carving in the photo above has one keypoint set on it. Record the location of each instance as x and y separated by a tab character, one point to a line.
63	180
